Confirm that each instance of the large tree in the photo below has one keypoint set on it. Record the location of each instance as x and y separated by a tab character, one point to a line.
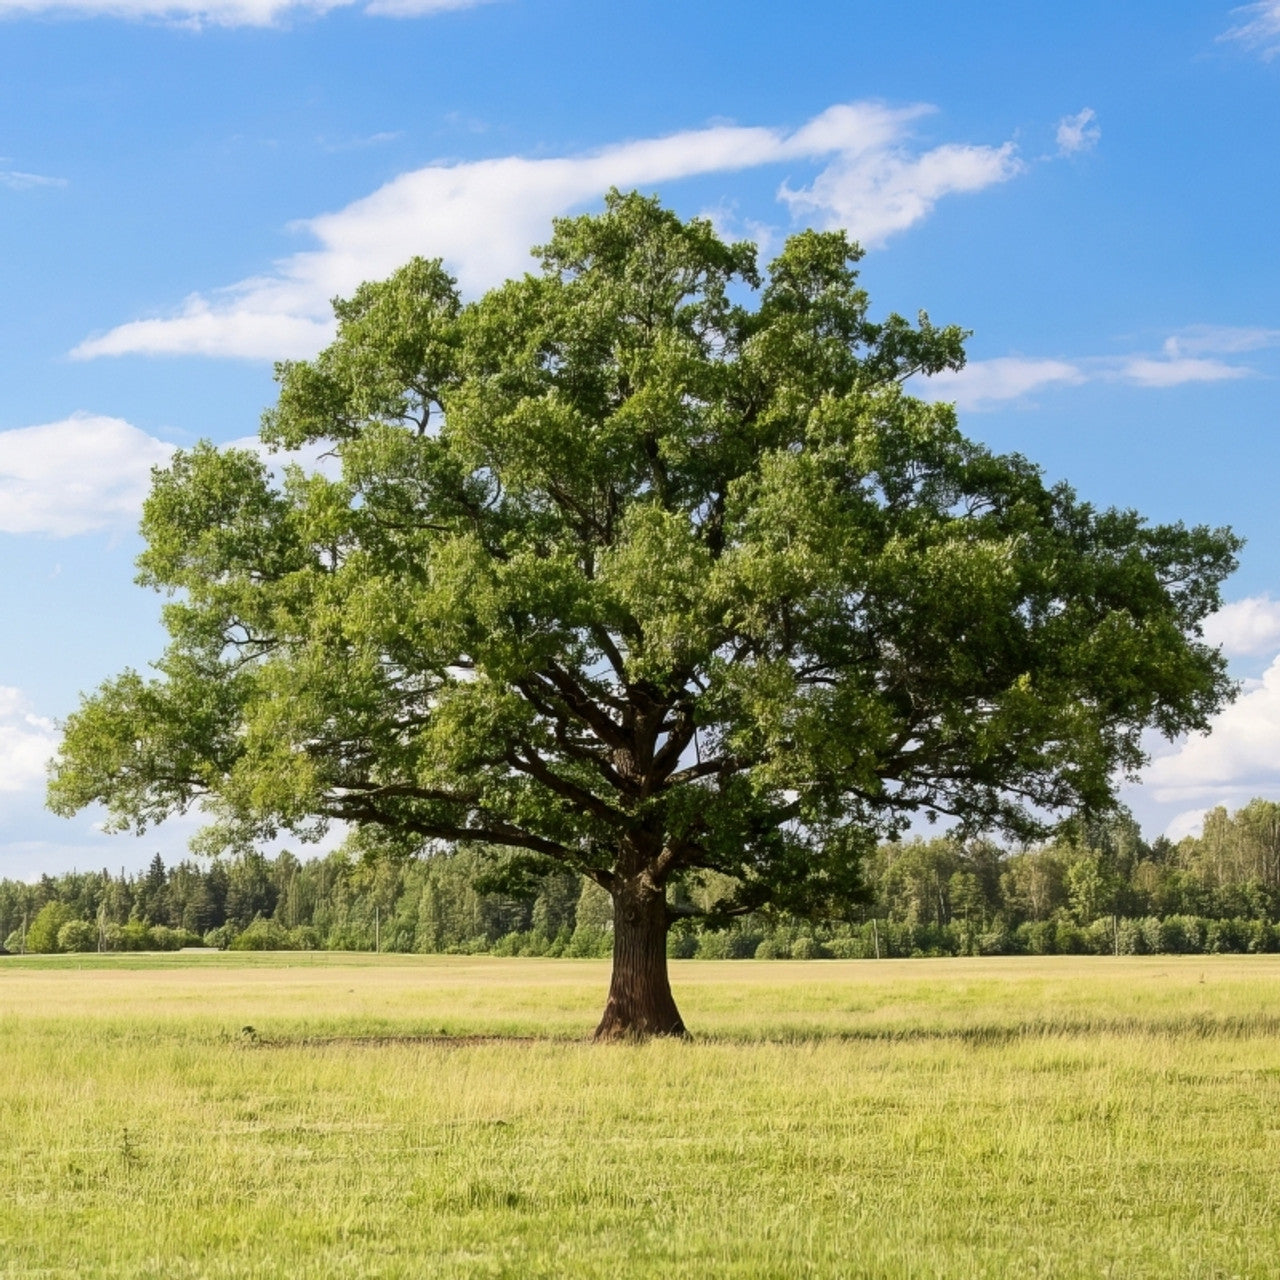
645	566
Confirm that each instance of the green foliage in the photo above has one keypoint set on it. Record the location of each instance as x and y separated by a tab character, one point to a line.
77	935
713	946
221	937
806	948
163	938
773	949
42	936
588	942
135	935
263	935
682	944
645	568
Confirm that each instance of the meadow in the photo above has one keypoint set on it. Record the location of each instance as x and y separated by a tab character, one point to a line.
313	1114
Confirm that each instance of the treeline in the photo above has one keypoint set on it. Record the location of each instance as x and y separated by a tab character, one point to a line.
1098	888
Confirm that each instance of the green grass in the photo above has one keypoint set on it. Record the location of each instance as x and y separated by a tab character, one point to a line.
420	1116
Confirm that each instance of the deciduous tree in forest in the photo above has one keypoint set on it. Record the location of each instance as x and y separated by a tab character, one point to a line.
644	565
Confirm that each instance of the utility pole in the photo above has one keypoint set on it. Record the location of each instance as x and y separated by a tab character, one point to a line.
875	933
377	929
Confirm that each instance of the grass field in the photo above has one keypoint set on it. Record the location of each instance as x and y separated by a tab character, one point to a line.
424	1116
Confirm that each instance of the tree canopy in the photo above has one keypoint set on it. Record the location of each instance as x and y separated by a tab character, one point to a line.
645	565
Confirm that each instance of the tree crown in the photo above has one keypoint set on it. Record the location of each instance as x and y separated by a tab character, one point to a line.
645	564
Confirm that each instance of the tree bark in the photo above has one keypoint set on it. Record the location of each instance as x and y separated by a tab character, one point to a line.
640	1002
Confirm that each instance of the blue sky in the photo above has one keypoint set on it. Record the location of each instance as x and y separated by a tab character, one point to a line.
1090	188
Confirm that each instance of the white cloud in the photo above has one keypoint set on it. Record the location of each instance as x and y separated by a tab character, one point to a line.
1239	758
730	225
1190	822
1260	29
90	473
985	382
1078	132
245	325
982	384
482	216
224	13
879	191
27	741
1246	628
1148	372
83	474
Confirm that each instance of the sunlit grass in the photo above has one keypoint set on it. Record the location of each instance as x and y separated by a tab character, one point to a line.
416	1116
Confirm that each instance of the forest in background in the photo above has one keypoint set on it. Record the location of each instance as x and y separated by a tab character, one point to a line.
1100	888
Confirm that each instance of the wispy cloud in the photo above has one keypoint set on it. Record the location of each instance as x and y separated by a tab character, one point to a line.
247	321
1079	132
334	145
226	13
81	475
17	180
1147	371
27	741
1258	28
1219	340
986	382
482	216
1189	356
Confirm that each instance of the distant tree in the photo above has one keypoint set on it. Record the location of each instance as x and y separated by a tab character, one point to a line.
217	886
1033	884
251	889
632	573
263	935
554	907
152	898
1091	884
199	911
117	897
967	900
42	935
78	935
16	903
915	878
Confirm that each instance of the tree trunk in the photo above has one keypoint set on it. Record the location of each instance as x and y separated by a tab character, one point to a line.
640	1001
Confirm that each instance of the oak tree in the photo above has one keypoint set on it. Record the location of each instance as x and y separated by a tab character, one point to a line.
645	565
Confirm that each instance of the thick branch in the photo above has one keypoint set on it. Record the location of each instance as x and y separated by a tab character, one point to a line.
612	653
494	832
707	769
678	738
582	705
562	718
527	761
